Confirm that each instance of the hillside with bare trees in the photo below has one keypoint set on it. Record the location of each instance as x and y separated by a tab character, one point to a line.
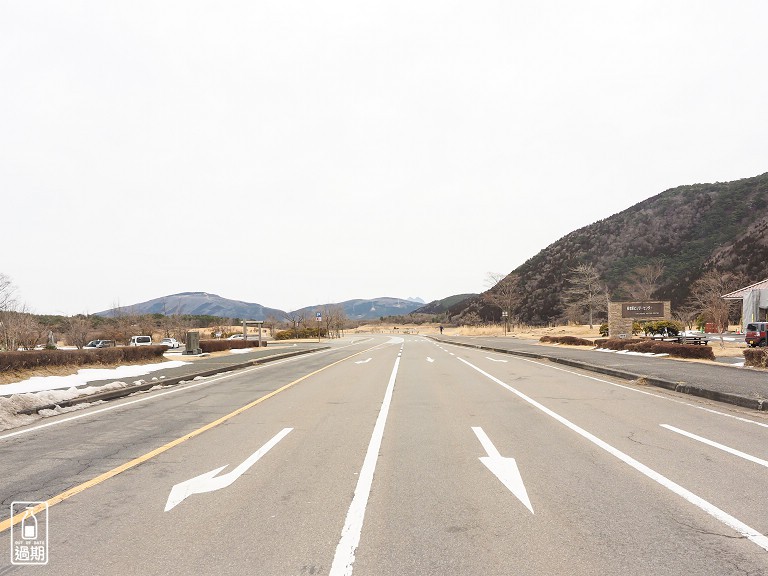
658	247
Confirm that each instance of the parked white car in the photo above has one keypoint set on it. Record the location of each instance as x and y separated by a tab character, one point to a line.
170	342
140	341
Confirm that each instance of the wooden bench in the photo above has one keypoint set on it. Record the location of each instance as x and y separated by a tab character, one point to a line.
693	340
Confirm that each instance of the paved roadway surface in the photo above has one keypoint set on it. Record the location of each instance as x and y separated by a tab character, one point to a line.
366	459
747	382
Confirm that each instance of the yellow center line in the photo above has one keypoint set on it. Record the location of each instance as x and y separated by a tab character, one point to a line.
6	524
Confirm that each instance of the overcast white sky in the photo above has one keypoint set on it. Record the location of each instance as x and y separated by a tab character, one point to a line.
295	153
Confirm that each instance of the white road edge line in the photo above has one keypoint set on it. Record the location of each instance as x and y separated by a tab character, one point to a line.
714	444
737	525
710	410
344	557
173	391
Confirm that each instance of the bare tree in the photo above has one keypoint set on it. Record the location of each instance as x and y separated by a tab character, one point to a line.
271	322
686	315
78	331
585	291
470	319
7	290
22	329
643	281
178	328
296	319
706	297
503	293
334	319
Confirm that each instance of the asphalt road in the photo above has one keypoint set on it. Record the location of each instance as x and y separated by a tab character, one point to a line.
366	459
726	379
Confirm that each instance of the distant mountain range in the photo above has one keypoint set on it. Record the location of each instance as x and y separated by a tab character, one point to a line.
690	229
205	304
199	304
370	309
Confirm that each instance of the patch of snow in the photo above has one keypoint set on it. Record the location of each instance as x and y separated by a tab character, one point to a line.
83	376
242	350
9	407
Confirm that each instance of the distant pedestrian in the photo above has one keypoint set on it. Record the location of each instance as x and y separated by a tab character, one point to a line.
441	329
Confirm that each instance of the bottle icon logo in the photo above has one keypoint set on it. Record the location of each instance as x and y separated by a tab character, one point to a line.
29	525
29	533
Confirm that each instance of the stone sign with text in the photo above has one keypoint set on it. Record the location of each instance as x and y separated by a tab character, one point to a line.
642	309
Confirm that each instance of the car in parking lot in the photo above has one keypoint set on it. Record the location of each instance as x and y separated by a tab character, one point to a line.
100	344
757	334
140	341
170	342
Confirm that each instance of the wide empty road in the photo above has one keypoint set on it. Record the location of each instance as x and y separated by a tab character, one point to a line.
394	456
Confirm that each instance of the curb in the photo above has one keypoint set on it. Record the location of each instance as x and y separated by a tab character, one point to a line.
682	387
113	394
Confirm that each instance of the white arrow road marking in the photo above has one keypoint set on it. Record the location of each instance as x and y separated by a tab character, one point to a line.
208	482
722	516
494	359
505	469
429	359
364	361
714	444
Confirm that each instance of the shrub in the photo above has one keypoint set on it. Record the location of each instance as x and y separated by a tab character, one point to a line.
302	333
568	340
30	359
603	329
756	357
673	349
617	343
662	327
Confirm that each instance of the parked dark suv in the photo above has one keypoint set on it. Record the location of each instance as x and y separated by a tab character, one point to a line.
757	334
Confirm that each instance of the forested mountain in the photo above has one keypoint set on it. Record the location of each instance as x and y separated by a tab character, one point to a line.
440	306
690	229
199	304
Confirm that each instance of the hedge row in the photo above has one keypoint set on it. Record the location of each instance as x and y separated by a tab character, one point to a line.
29	359
658	347
756	357
674	349
302	333
617	343
219	345
569	340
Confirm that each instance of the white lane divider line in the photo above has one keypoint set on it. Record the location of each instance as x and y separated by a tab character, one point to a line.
353	525
505	469
714	444
495	360
737	525
430	359
364	361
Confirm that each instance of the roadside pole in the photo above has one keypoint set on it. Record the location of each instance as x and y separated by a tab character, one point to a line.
319	317
504	317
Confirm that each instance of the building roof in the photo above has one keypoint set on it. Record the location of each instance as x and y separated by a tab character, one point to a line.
741	292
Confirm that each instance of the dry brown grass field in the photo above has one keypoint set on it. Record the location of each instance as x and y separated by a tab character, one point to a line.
727	348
